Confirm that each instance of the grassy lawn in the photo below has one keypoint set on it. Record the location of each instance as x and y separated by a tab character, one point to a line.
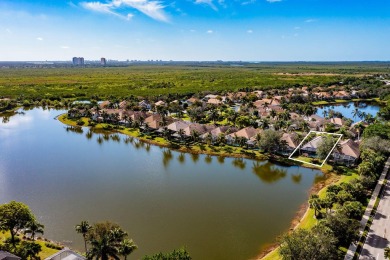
339	101
46	252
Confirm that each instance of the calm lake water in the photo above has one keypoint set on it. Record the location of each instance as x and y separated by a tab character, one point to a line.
218	209
347	109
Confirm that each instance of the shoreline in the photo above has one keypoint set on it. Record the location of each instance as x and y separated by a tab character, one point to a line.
257	155
300	215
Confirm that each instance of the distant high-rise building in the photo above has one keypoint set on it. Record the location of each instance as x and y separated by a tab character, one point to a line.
103	61
78	61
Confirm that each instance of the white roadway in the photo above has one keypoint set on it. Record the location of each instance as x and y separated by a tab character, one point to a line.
379	234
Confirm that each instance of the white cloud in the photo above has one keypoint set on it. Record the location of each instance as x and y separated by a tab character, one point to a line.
311	20
8	31
151	8
39	38
297	28
248	2
65	47
207	2
273	1
210	31
249	31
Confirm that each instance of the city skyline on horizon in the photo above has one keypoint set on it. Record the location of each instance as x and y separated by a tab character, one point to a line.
195	30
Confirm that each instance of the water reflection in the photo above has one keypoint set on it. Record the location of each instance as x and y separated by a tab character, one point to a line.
167	157
268	172
208	159
74	129
296	178
89	135
181	158
195	157
115	138
239	163
221	159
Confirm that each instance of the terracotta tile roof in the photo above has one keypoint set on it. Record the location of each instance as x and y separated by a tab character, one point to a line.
247	132
337	121
176	126
291	139
214	101
349	147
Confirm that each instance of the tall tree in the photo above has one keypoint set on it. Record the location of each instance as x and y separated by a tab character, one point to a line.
83	228
270	140
305	244
315	203
325	146
33	227
105	239
126	247
14	216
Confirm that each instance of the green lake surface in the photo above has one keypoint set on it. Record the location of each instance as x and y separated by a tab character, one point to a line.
217	208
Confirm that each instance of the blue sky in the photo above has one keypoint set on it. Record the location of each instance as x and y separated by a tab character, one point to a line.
248	30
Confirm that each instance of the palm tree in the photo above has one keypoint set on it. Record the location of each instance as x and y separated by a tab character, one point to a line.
126	247
356	113
103	248
264	123
208	139
324	113
315	203
33	227
194	135
166	133
272	113
83	229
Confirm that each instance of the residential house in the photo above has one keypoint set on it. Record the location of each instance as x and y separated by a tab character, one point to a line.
346	152
291	141
210	96
66	254
160	103
258	93
4	255
104	104
123	104
145	105
266	102
341	94
316	123
294	116
322	95
192	100
214	101
198	128
247	133
177	125
337	121
236	96
311	146
155	121
216	132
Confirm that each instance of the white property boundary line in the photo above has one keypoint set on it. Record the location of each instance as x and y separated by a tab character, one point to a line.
317	132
